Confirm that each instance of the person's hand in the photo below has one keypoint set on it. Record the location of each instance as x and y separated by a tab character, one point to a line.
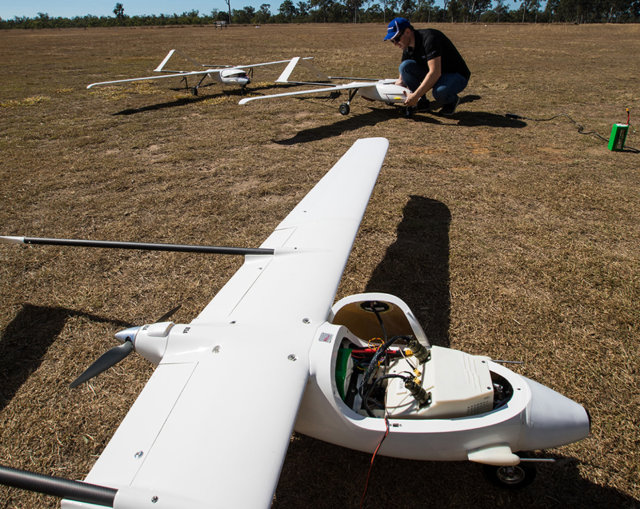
411	99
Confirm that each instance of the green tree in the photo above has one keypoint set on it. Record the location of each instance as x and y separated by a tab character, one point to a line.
263	14
501	9
287	11
118	10
244	16
353	7
303	10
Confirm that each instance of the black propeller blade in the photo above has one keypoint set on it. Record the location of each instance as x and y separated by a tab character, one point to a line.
168	314
104	362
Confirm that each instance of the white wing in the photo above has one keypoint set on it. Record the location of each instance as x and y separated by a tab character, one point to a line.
176	74
331	88
212	426
180	74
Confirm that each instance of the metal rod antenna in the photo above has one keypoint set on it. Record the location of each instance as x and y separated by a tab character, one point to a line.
184	248
58	487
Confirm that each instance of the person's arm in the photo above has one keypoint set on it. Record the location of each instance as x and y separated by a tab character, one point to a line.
433	75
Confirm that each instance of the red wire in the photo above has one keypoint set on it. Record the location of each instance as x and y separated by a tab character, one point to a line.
357	351
366	485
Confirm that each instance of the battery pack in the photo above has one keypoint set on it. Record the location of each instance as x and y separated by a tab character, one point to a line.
618	136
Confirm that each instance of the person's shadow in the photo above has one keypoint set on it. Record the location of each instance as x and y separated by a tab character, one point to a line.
377	115
416	266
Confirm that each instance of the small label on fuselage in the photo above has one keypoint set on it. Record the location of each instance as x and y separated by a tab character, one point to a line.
325	338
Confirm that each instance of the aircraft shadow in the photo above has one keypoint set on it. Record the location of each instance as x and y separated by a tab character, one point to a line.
187	100
26	339
320	475
171	104
416	266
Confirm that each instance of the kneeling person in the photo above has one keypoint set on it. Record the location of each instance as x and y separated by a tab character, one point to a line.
430	61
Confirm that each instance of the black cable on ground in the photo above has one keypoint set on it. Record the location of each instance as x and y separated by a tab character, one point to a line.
579	126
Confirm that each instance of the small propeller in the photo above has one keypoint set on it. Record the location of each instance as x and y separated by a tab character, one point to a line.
117	353
104	362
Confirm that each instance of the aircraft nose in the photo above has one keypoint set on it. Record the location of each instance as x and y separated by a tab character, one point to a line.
127	334
553	419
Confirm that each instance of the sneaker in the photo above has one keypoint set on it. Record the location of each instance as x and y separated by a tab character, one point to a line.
423	104
450	109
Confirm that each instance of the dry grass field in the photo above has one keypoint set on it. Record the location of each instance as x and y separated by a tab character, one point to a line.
516	239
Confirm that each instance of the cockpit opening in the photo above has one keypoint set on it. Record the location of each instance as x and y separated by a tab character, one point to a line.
384	369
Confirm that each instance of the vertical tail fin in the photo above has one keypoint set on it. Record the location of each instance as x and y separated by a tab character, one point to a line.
284	77
164	62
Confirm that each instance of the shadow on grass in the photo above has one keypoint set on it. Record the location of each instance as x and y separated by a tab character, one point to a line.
171	104
26	339
320	475
377	115
416	266
188	100
350	123
483	118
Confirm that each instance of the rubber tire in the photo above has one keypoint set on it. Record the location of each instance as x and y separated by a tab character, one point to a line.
512	478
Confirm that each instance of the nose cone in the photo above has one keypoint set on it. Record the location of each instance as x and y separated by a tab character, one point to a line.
127	334
235	76
553	419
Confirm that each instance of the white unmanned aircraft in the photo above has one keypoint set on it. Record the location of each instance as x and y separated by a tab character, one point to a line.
226	74
384	90
270	354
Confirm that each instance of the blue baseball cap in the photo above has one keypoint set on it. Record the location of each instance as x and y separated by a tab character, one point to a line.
396	26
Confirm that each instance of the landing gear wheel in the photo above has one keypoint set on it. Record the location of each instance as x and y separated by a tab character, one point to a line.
512	478
344	109
194	91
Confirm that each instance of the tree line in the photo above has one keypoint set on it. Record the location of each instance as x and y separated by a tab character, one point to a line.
364	11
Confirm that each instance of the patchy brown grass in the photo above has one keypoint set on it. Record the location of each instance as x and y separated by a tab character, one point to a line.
515	239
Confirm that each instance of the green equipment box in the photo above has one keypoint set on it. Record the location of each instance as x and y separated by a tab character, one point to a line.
618	136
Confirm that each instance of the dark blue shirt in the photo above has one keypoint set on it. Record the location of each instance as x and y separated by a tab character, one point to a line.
431	43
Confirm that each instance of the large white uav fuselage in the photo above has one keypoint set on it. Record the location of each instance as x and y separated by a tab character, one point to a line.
530	417
272	353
